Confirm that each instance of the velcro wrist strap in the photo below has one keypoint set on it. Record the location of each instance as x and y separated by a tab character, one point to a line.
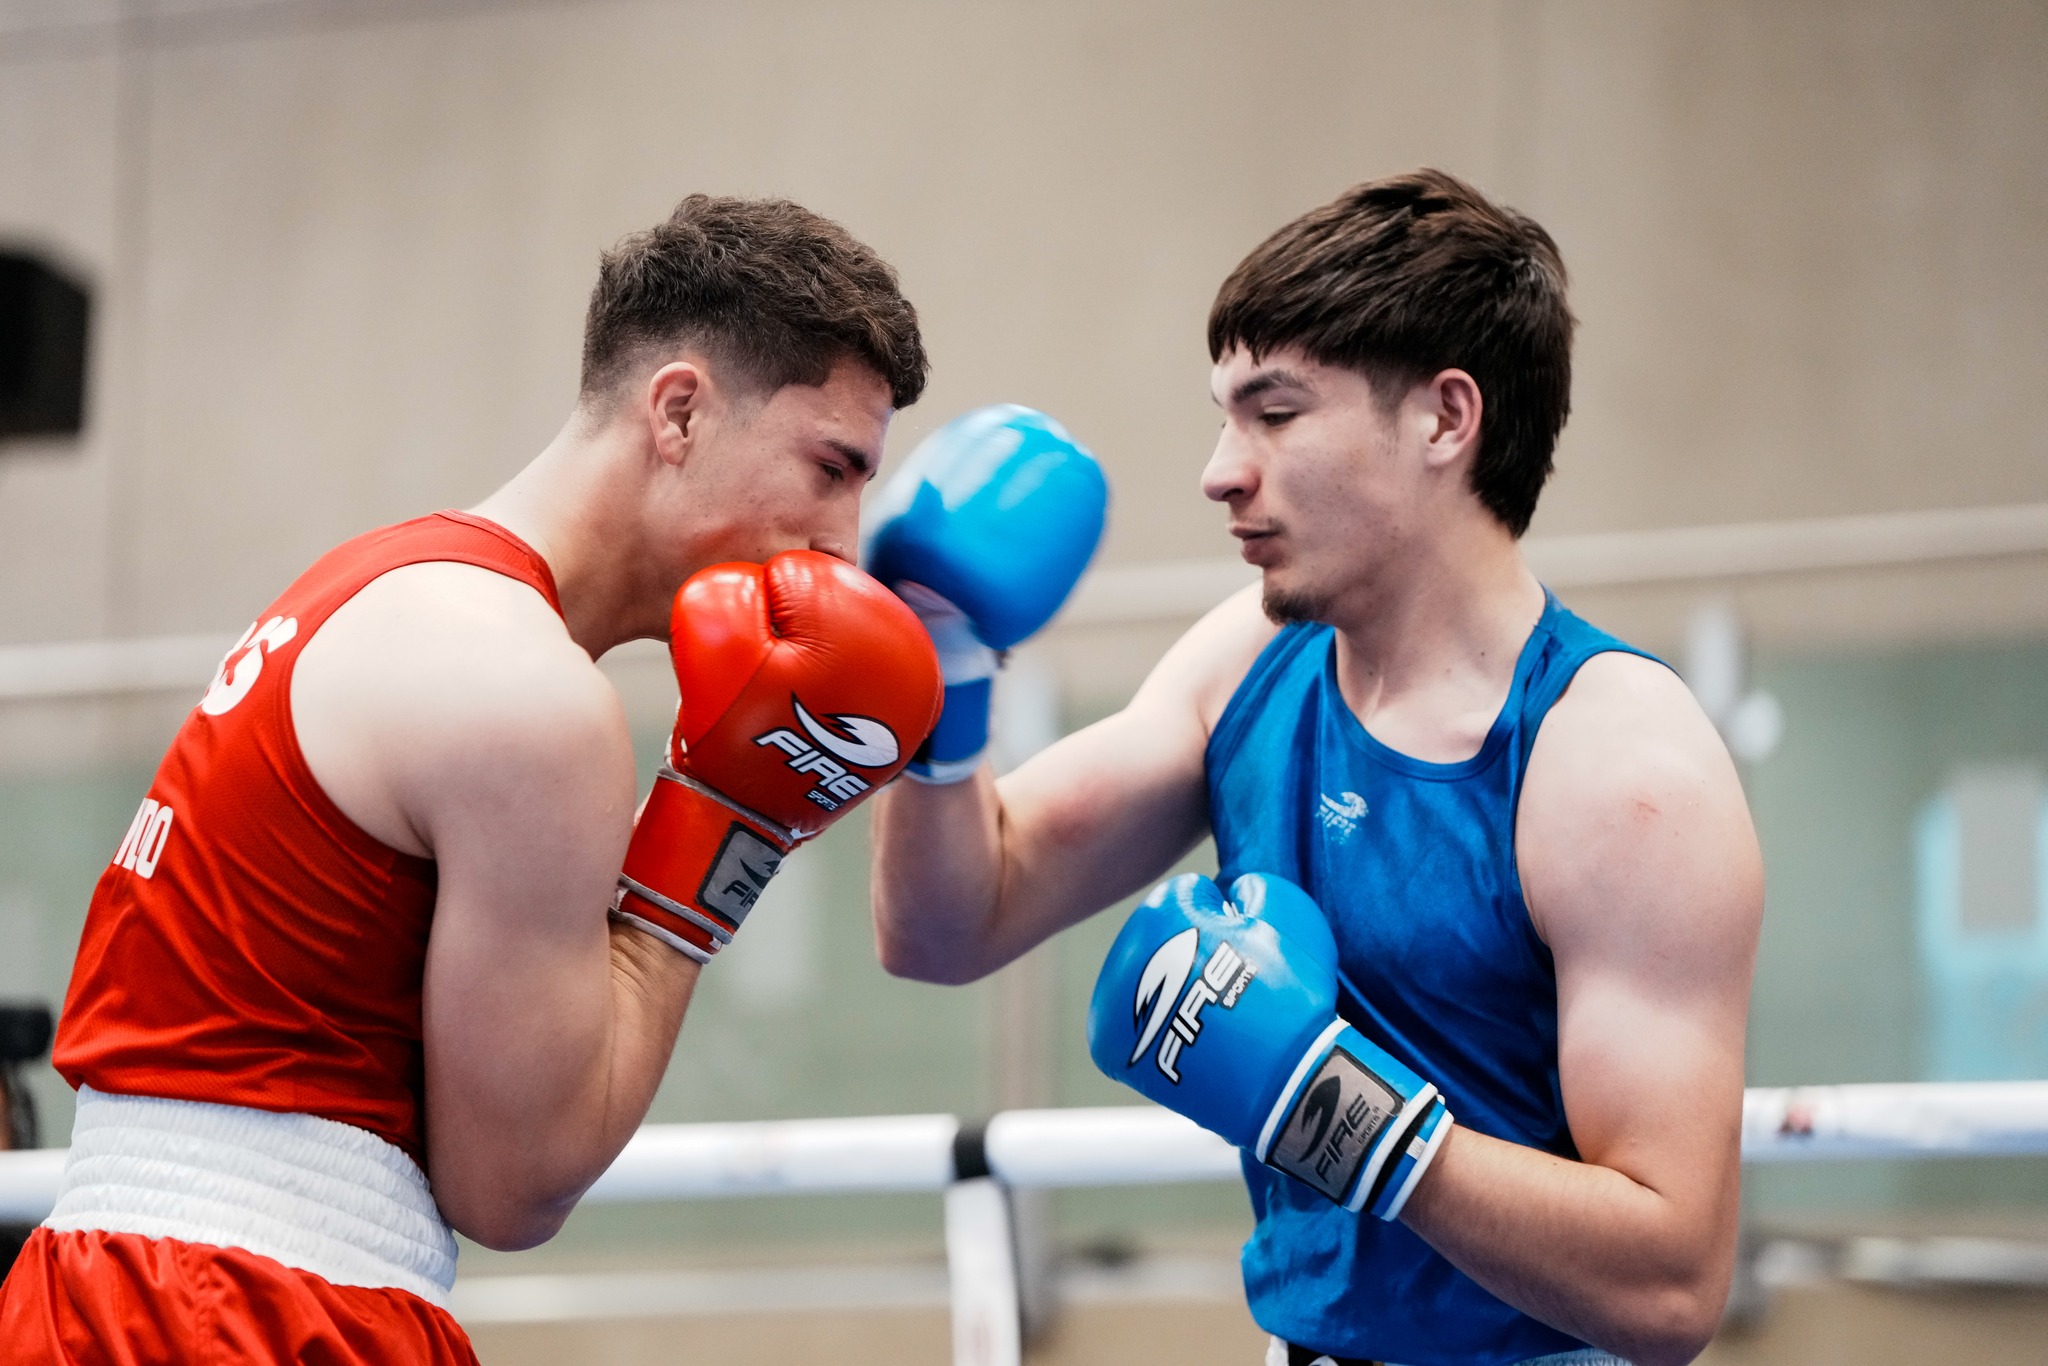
959	740
942	775
962	656
1410	1161
633	915
1346	1118
697	864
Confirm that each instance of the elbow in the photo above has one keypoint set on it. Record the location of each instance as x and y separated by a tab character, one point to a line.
1676	1346
507	1226
499	1218
1674	1324
913	947
905	956
901	961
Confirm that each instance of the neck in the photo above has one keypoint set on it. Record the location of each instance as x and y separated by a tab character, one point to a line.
1428	654
577	505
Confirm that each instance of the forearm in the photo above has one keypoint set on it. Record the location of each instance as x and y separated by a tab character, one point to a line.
969	875
649	986
534	1123
937	878
1580	1246
652	986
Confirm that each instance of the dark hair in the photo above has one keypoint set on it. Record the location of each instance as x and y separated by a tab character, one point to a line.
762	285
1405	277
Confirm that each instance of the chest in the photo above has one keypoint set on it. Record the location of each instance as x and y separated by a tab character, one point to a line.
1413	863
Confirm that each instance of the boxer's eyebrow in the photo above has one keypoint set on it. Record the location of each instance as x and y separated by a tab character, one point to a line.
1264	382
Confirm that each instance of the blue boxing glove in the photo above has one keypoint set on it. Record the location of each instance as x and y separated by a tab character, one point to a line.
984	532
1226	1013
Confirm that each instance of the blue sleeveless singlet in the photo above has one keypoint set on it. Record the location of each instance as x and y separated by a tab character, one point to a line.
1414	864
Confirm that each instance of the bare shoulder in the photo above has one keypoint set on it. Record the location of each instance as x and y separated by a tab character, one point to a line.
1632	820
1198	675
440	681
1626	715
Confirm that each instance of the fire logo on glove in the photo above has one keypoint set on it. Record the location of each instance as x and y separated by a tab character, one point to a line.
861	741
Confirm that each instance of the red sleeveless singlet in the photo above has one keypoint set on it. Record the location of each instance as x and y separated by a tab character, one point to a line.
250	945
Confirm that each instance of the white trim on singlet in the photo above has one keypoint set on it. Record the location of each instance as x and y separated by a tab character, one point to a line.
323	1197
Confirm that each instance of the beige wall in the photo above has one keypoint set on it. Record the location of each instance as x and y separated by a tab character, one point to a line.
342	245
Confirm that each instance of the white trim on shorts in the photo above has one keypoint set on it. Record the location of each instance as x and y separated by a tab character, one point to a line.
316	1195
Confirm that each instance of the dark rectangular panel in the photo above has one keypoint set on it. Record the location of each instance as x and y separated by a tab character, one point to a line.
43	319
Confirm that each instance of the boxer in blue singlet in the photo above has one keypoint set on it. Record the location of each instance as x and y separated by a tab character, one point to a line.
1530	851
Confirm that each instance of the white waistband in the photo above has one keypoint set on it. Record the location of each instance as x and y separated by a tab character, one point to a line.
314	1194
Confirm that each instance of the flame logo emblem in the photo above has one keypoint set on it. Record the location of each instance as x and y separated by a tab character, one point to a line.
860	740
1170	962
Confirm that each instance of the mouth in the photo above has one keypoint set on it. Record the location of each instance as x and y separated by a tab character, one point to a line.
1256	545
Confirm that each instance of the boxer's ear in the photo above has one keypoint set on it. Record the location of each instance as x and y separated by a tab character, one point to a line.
1448	410
675	402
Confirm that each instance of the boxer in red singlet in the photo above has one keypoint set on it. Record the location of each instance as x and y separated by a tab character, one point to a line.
348	982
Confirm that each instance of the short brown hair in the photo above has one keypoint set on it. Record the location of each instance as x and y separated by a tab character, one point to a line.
1405	277
762	285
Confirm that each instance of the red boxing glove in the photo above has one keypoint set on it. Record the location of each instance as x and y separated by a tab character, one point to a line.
805	685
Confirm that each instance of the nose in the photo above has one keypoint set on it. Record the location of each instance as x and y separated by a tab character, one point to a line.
839	536
1229	475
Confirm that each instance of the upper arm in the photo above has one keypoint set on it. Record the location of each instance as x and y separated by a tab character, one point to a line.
525	797
1641	871
446	710
526	801
1112	806
527	805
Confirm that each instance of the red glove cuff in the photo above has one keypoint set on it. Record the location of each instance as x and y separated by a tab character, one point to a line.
696	866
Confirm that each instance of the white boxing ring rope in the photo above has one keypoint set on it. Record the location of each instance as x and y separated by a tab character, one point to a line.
1146	1145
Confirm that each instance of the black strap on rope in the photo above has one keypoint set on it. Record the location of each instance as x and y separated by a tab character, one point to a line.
970	1151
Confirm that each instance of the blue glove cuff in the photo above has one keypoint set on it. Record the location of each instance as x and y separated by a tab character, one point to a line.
1399	1177
960	739
1346	1119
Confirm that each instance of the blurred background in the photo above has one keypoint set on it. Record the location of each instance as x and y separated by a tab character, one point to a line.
328	259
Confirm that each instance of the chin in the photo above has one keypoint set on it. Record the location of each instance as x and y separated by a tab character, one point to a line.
1286	604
